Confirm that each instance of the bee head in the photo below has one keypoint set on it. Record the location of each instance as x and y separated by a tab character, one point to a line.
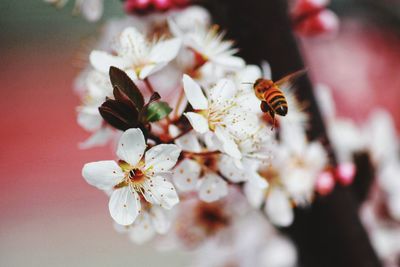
257	83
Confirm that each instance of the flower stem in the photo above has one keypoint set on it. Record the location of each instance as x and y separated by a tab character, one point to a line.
149	86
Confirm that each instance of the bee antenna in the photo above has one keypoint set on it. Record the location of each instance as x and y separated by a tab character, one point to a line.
247	83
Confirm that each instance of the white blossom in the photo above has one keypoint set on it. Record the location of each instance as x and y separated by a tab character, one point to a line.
219	113
137	174
137	56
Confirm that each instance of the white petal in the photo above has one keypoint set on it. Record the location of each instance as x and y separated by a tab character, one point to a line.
92	9
257	180
150	69
160	220
124	205
102	61
189	142
230	62
278	208
194	94
133	43
224	90
102	174
212	188
131	146
164	192
266	68
162	157
186	175
198	122
142	230
99	138
228	169
165	51
254	194
229	145
89	119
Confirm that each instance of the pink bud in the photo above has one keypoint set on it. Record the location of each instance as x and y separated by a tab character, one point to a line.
325	183
142	4
162	4
304	7
345	173
322	22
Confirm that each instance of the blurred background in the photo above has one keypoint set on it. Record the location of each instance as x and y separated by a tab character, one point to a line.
49	215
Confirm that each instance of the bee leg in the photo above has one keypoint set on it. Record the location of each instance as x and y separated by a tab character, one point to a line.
272	114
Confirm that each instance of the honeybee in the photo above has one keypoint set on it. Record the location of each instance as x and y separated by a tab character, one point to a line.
273	101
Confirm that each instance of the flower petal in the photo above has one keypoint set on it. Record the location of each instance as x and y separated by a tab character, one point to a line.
228	144
142	230
150	69
194	94
131	146
278	208
164	192
223	91
99	138
186	175
198	122
124	205
229	169
102	61
162	157
189	142
212	188
102	174
160	220
231	62
132	43
254	194
165	51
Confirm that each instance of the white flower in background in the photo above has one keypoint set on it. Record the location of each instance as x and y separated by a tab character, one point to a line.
291	176
251	241
209	45
97	88
137	174
381	135
153	220
198	172
193	16
302	162
92	10
219	113
138	57
346	137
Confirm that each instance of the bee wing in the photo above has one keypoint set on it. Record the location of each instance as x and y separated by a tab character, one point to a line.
287	82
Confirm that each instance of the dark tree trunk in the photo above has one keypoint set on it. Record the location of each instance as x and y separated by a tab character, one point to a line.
329	233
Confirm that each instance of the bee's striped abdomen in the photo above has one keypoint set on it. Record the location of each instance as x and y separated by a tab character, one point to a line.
276	100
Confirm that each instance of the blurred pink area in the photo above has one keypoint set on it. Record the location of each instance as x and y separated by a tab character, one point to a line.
47	210
361	65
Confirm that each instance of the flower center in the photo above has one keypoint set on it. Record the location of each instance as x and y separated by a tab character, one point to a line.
211	217
136	176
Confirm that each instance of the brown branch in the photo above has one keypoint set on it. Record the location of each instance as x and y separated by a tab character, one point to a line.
330	232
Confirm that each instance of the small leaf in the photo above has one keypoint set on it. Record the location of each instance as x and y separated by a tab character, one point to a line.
156	111
119	115
122	81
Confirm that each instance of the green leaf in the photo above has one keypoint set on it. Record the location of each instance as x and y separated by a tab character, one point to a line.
122	81
156	111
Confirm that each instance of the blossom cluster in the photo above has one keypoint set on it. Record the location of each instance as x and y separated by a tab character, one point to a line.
189	132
